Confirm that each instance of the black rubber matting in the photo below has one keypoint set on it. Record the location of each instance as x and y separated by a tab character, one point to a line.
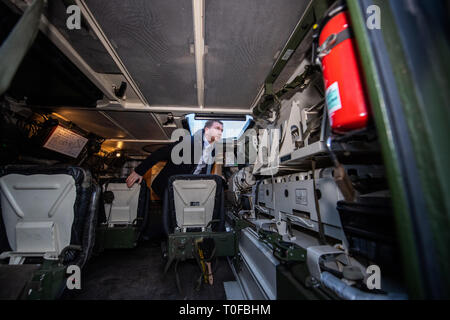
137	274
13	279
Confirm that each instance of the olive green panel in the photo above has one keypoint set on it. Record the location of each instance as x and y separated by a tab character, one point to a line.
116	238
182	245
428	119
389	150
47	282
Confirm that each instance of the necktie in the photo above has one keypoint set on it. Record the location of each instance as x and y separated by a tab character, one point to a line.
209	158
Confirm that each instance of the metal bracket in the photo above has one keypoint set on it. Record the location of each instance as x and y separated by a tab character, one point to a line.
313	257
242	224
15	47
16	258
282	250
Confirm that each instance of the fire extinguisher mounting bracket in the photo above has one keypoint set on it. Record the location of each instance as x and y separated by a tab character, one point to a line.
325	48
332	41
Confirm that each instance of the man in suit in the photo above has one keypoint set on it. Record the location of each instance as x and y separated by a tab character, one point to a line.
201	162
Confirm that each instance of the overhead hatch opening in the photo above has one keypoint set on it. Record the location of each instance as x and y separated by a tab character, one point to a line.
232	129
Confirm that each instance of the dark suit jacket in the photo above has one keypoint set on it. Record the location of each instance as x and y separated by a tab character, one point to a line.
164	154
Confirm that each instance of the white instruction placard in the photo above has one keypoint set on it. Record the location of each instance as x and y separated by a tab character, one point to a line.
66	142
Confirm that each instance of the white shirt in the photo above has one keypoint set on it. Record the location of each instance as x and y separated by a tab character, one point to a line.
206	156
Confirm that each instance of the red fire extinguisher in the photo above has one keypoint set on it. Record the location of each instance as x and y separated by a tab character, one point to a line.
336	52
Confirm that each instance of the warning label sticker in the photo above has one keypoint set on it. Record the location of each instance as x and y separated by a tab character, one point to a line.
301	196
333	98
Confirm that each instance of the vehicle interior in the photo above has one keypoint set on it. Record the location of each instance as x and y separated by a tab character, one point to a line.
330	182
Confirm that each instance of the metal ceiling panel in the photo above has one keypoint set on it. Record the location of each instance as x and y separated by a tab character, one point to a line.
93	121
141	125
153	40
243	38
82	40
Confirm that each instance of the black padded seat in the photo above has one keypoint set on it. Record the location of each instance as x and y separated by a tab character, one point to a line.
187	203
46	210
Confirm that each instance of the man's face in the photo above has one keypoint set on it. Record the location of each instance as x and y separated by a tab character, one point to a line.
214	133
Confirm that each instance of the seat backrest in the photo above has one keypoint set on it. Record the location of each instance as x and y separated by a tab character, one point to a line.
46	209
194	201
123	209
38	211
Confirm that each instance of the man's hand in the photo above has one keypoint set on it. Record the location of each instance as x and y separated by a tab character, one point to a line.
132	178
